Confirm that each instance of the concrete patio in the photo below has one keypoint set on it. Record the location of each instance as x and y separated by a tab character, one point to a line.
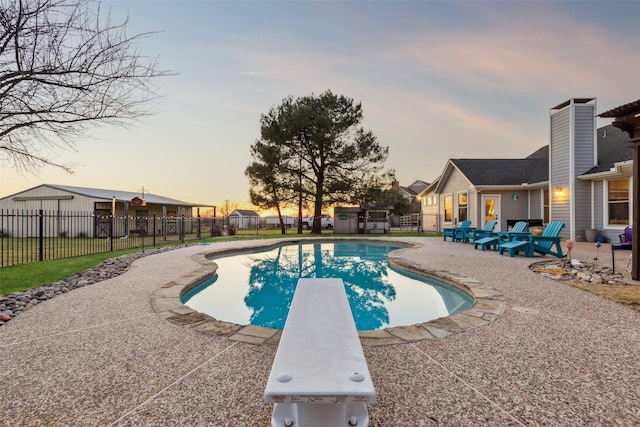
101	355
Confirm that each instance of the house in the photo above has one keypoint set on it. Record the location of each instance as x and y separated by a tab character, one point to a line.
244	218
411	194
583	178
133	212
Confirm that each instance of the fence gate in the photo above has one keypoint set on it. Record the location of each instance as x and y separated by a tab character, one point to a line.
102	222
142	224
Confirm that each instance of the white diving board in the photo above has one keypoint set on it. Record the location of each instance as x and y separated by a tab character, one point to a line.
320	377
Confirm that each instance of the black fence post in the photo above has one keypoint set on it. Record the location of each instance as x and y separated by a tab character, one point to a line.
111	219
199	225
154	229
182	228
40	235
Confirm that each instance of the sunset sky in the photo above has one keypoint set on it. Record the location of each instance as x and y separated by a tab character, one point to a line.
436	80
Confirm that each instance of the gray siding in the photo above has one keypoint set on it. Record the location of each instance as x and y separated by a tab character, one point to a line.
536	207
560	158
456	183
598	204
572	154
584	129
513	209
583	208
584	148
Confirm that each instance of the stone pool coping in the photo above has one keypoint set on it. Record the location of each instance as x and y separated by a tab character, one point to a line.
489	304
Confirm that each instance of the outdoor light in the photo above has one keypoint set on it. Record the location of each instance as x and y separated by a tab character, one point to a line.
558	191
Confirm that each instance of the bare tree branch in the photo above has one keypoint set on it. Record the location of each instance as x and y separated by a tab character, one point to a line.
65	67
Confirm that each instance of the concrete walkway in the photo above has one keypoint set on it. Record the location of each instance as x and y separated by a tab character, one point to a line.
101	355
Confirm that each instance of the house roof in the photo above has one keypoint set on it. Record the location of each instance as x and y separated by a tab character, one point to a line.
505	171
418	186
613	147
407	190
540	153
121	196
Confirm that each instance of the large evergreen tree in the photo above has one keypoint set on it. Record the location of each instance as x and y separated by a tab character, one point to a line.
314	147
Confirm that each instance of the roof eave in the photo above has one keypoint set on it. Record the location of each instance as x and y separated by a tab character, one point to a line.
619	169
511	187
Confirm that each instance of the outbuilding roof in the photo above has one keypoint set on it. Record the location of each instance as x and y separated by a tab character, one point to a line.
121	196
244	212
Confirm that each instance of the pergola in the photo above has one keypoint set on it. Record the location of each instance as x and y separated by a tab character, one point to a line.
627	119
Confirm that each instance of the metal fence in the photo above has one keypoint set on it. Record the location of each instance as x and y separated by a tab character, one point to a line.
38	235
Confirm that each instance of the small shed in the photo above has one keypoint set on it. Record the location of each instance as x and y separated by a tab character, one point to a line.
361	220
244	218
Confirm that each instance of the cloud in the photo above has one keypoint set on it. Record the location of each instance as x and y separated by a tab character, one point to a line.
538	50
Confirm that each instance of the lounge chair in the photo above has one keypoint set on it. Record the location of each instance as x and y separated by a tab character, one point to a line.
474	234
530	244
454	231
625	244
495	238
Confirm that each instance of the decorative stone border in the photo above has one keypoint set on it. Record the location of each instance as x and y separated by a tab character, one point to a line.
489	304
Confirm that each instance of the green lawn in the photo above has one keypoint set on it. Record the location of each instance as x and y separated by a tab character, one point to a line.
19	277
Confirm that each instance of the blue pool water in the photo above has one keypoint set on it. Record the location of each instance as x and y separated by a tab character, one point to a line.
257	288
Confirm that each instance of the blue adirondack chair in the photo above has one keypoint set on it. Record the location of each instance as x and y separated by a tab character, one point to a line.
494	239
454	231
531	244
474	234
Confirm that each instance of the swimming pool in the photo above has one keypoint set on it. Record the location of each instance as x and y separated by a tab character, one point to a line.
257	287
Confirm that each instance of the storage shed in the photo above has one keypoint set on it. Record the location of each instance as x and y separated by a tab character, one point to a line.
244	218
361	220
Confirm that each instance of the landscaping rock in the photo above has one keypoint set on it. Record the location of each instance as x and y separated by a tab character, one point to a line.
583	271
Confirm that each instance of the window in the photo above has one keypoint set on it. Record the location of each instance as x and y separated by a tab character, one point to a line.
618	201
377	216
430	200
448	208
462	206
